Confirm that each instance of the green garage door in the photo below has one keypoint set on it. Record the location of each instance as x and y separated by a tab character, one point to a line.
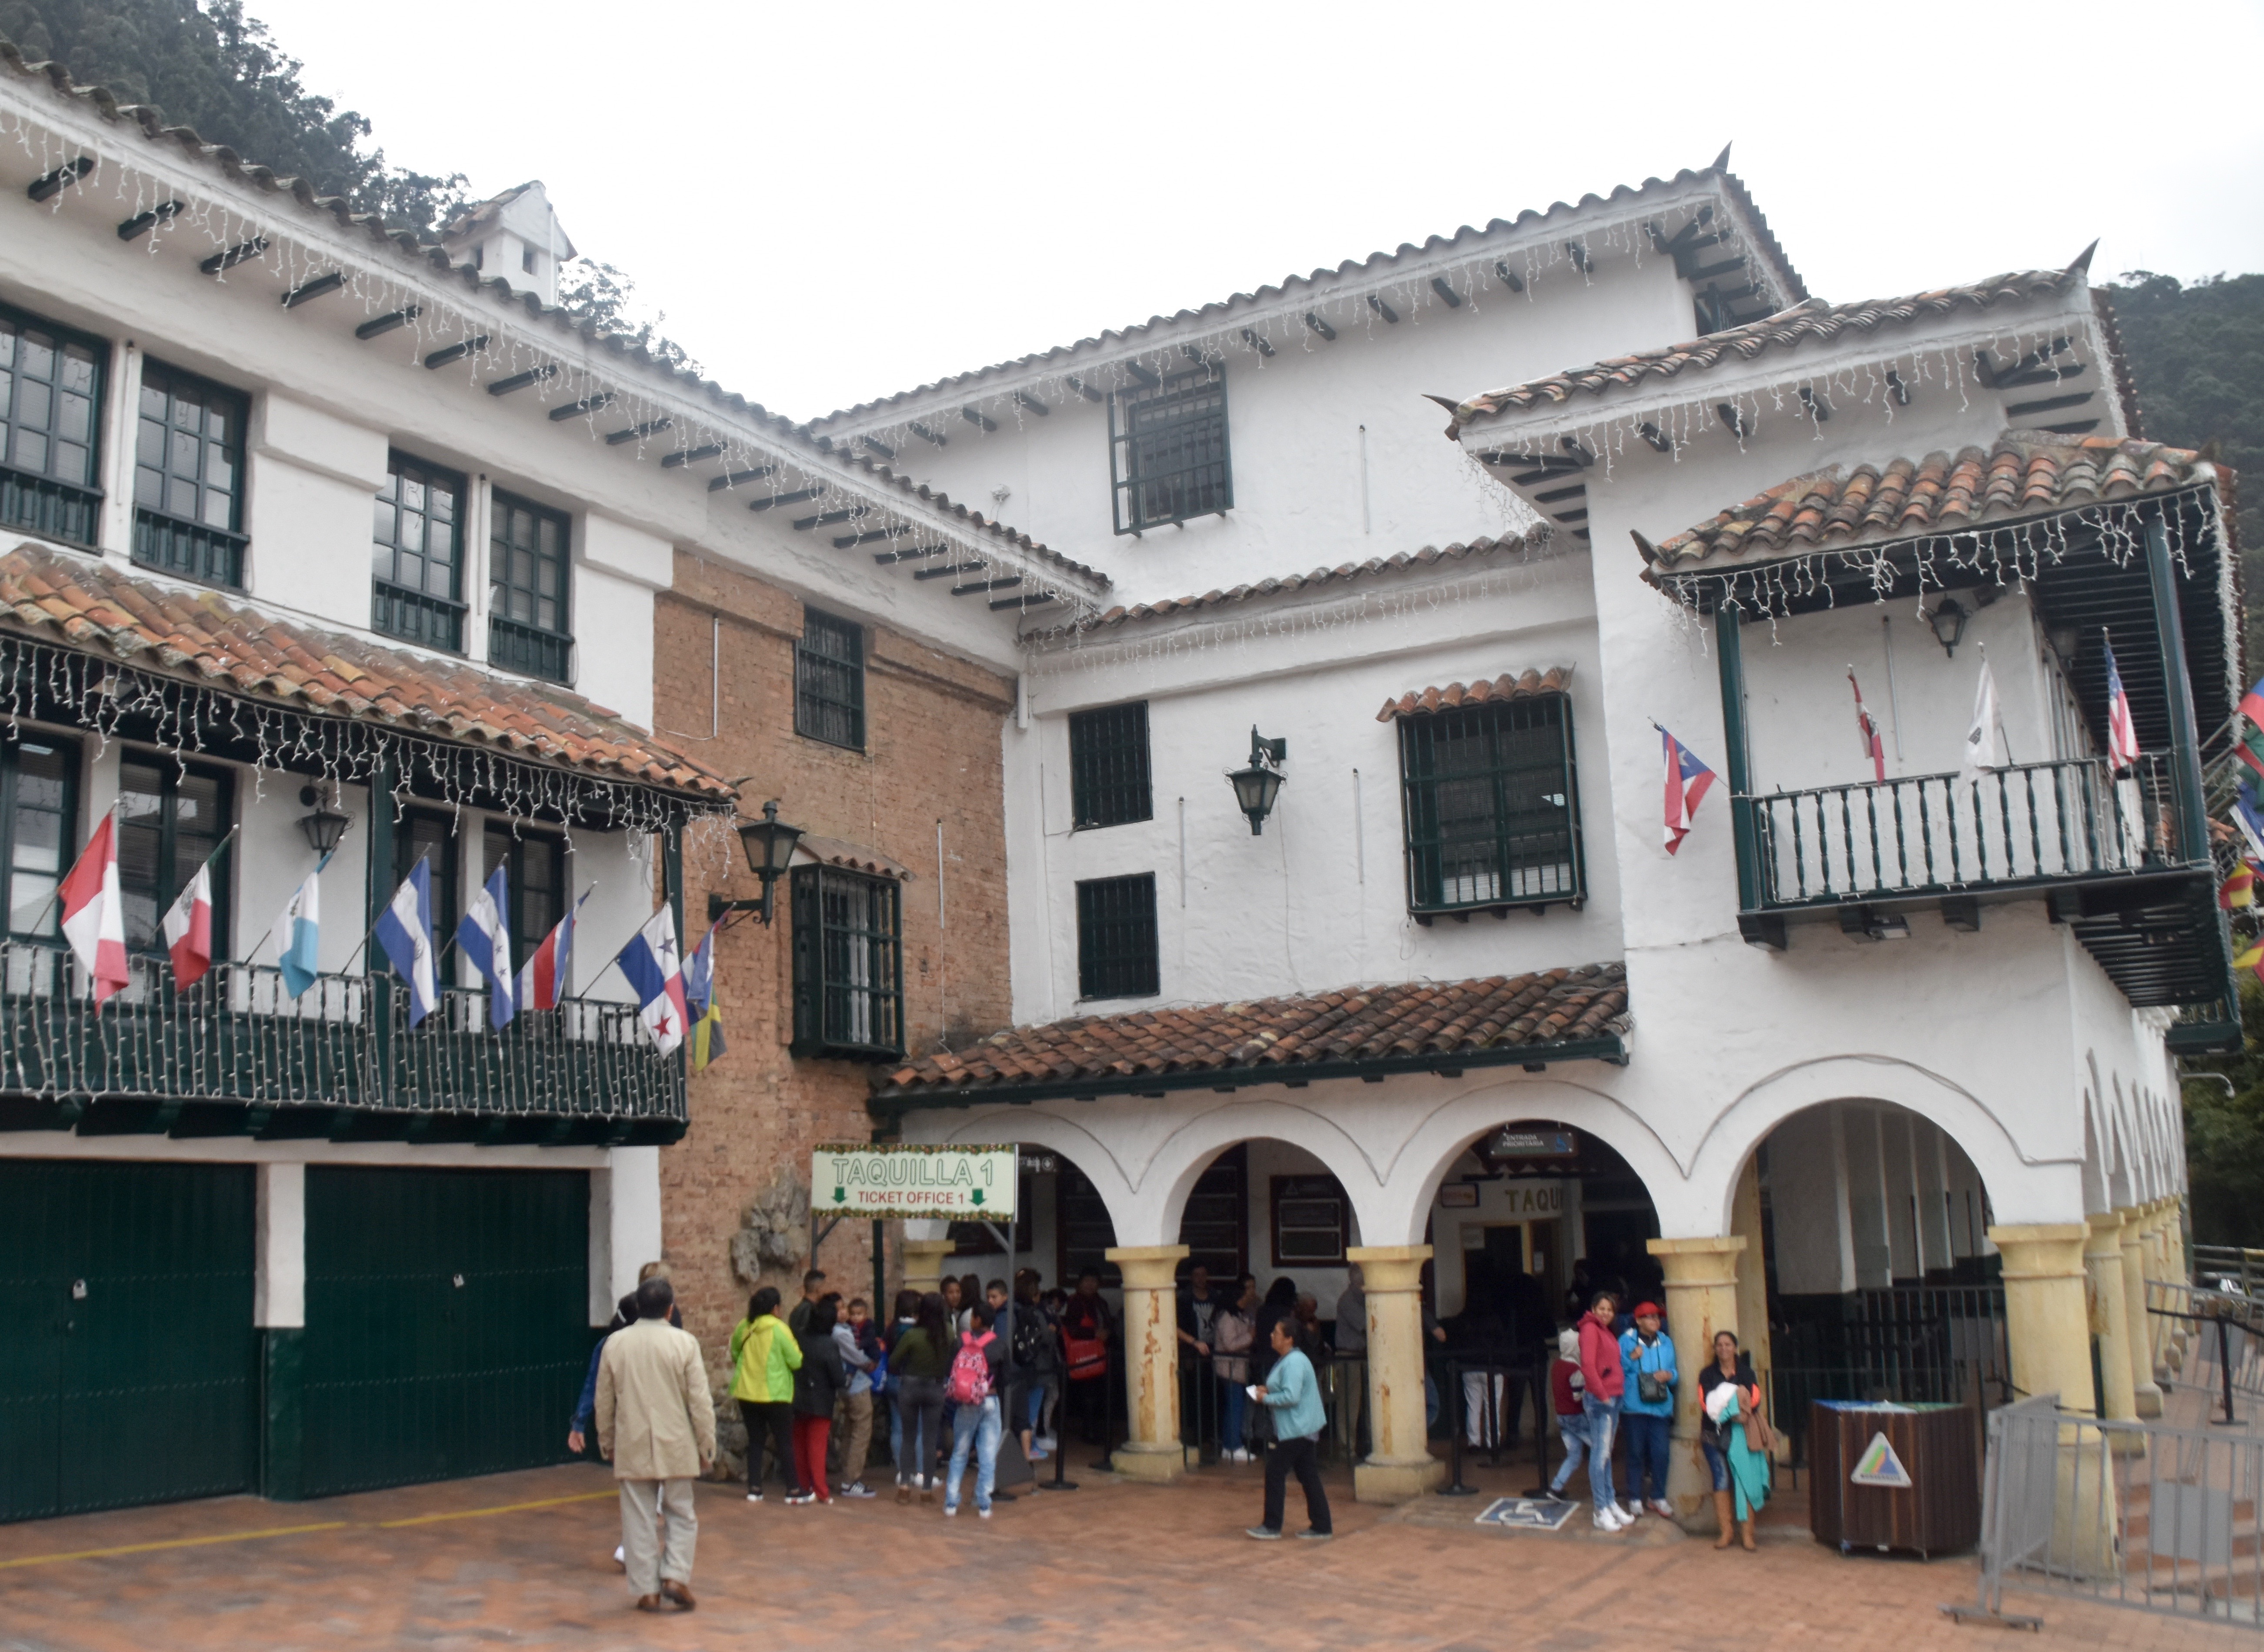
128	1363
447	1322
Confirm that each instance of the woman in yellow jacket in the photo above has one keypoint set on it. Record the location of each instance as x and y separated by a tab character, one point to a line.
764	1356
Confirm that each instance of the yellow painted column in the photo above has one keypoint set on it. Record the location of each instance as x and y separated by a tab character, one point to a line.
2108	1306
1399	1463
2145	1393
2048	1326
1151	1362
923	1268
1701	1299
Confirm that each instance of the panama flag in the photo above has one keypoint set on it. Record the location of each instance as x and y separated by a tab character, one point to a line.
484	934
2121	731
404	929
1687	781
94	912
188	930
299	933
699	1000
655	970
546	977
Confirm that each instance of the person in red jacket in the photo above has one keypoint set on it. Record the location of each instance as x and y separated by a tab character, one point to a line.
1564	1384
1602	1382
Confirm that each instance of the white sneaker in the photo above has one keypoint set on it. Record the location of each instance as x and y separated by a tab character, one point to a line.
1663	1508
1631	1512
1612	1521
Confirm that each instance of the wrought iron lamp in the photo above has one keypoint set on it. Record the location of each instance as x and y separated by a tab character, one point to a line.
329	823
770	844
1949	622
1256	786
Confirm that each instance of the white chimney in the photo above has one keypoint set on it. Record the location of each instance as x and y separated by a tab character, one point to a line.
515	238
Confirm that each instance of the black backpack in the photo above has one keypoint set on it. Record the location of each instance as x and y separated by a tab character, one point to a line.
1031	1329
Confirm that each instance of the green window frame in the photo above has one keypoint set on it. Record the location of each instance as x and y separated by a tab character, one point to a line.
535	882
51	387
1116	950
530	580
829	680
418	555
1491	804
1167	450
39	830
848	964
1108	779
188	477
171	816
431	833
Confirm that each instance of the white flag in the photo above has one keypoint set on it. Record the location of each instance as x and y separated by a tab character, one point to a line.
1981	746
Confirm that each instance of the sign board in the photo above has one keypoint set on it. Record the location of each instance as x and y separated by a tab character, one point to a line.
1535	1141
1878	1466
898	1179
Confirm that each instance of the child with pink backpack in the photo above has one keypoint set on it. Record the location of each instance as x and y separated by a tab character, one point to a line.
972	1390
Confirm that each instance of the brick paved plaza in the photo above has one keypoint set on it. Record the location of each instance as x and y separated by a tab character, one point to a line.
524	1560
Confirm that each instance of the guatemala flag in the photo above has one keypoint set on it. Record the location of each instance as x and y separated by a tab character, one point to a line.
404	929
545	976
655	970
299	930
484	934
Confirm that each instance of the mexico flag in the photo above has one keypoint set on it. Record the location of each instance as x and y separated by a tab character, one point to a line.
94	912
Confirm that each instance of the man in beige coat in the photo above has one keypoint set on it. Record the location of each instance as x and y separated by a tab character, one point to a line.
657	1426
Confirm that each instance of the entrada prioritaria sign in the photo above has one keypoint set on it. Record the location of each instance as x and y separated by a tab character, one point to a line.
899	1179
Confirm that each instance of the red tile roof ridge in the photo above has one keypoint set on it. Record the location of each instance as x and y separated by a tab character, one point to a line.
1512	685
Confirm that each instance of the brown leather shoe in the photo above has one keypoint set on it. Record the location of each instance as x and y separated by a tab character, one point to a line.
648	1603
679	1595
903	1494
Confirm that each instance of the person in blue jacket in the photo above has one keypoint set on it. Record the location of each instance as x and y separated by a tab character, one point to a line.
1647	1409
1293	1393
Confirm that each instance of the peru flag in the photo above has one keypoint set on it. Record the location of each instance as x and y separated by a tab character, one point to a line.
547	976
188	930
94	912
1687	781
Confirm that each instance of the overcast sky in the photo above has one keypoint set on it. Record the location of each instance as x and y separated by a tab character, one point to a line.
834	202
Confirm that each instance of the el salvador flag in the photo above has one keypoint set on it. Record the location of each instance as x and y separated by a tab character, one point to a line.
300	931
655	970
404	929
484	934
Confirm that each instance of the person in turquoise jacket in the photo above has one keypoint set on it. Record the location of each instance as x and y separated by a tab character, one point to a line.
1647	1359
1293	1393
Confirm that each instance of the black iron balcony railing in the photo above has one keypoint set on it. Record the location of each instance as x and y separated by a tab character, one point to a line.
237	1037
2027	825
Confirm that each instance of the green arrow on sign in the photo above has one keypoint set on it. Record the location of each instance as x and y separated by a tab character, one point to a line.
976	1194
841	1196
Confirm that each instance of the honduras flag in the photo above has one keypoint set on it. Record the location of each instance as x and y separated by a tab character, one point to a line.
299	932
484	934
404	929
655	970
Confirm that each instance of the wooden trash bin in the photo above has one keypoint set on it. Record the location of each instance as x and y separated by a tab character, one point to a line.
1922	1491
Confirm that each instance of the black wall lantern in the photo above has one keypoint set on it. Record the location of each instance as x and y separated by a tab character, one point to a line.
1949	622
327	824
770	845
1256	786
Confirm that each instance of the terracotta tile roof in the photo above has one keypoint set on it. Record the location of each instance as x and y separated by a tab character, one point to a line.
1509	686
1343	573
197	634
1415	1023
2023	474
854	857
1813	319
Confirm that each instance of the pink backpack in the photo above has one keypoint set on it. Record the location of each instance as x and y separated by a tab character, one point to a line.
969	1383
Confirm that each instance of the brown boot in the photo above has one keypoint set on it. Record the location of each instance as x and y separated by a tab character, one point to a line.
1745	1535
1724	1507
679	1595
648	1603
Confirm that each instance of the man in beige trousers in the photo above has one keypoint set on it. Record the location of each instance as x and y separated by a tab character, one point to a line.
657	1426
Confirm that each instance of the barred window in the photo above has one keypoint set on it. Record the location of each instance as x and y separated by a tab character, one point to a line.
39	808
50	398
829	680
416	555
1313	1221
188	477
1108	766
1167	450
1116	937
431	837
169	821
1493	811
529	557
848	965
536	882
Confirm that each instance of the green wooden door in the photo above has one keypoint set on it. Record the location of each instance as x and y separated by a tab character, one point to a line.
128	1364
447	1322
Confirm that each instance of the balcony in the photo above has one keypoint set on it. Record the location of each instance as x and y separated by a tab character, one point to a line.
235	1055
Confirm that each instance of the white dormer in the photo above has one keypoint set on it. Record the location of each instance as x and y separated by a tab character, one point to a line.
516	236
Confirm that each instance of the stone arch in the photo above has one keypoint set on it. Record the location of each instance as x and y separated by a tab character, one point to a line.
1053	1133
1180	1162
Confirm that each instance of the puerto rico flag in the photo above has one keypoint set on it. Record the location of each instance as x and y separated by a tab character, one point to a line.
94	912
655	969
1687	781
2121	731
547	976
188	930
483	933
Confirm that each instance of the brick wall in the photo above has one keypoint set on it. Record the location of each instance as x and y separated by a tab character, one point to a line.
932	730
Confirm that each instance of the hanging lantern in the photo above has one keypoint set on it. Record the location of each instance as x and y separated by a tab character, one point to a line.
1256	786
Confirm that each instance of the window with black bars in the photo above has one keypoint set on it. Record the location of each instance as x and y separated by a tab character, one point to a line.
829	680
50	402
1108	766
535	883
1214	1223
188	477
416	555
38	811
1167	450
529	562
1492	807
848	965
1084	1232
433	836
1116	937
169	821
